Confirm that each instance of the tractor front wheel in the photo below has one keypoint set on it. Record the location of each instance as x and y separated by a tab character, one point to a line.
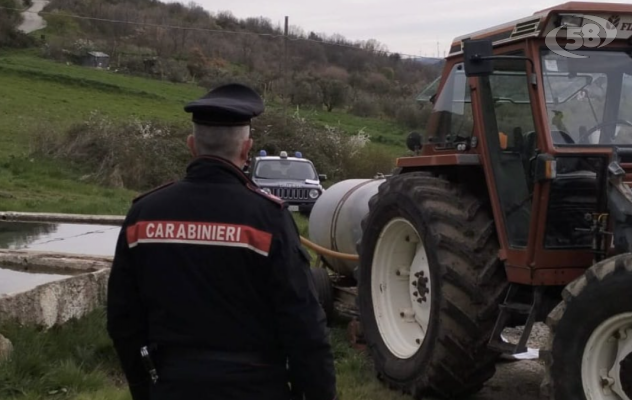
589	354
430	283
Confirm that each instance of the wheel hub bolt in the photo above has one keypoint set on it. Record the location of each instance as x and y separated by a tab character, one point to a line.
606	381
416	294
420	300
418	341
414	283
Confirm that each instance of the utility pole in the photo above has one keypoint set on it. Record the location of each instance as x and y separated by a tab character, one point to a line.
285	85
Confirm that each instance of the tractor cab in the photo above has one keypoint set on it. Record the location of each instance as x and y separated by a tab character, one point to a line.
541	114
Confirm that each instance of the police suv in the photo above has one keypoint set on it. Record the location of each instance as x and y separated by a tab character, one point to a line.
293	179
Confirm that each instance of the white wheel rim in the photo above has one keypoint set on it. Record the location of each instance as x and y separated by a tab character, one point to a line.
608	346
399	267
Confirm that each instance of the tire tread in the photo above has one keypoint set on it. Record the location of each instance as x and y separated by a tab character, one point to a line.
461	363
608	269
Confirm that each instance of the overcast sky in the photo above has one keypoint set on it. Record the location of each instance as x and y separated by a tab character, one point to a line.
405	26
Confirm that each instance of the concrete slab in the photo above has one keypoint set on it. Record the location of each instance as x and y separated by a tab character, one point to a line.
83	288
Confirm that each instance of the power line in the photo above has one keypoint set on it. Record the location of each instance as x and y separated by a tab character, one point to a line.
190	28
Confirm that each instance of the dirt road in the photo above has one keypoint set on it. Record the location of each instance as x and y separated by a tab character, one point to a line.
518	380
32	20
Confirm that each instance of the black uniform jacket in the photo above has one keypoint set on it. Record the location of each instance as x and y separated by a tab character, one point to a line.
211	262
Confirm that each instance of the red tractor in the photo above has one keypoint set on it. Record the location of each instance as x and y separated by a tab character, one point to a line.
514	207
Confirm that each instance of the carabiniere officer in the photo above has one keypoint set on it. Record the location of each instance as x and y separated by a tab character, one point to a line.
209	278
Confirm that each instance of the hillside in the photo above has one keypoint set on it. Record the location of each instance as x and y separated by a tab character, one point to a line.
185	43
42	99
338	95
43	102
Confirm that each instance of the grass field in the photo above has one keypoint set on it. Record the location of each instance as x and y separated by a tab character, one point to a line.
77	361
39	96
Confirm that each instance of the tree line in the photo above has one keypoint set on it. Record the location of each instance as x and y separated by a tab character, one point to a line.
310	69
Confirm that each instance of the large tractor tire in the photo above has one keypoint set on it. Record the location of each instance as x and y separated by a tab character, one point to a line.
589	352
430	285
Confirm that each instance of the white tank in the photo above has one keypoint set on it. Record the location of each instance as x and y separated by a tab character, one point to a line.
334	222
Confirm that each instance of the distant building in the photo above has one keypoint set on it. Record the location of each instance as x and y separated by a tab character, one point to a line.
96	59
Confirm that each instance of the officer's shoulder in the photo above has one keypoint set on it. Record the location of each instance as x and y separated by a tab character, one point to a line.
277	202
151	191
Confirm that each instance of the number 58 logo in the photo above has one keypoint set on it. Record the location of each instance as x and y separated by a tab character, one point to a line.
585	36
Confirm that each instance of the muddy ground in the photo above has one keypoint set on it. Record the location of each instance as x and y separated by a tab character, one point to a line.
518	380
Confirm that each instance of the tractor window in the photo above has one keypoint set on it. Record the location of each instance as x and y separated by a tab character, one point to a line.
514	144
587	99
451	119
625	106
513	108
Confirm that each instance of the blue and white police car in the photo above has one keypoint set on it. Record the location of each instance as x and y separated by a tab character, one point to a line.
293	179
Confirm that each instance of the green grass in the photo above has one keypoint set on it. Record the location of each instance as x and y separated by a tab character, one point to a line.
42	96
77	361
76	358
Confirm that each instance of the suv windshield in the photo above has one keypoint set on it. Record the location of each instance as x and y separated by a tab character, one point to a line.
589	99
285	169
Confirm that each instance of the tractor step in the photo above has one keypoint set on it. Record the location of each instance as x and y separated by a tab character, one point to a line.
509	309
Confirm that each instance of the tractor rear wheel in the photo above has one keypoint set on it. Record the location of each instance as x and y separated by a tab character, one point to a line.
589	353
325	291
430	285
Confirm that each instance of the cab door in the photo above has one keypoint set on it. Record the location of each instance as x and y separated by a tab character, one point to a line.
506	123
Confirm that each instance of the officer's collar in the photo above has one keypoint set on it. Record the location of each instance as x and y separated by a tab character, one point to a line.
196	168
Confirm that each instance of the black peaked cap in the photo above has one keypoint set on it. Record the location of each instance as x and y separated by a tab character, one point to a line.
231	104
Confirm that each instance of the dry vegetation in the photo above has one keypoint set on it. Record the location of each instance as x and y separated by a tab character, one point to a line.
363	78
139	154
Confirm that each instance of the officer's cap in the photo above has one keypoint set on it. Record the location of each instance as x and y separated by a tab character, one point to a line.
228	105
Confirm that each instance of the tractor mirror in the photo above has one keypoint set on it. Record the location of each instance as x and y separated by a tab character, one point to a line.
322	177
413	142
478	57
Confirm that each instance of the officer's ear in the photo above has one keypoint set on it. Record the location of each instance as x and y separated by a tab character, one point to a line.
191	145
246	145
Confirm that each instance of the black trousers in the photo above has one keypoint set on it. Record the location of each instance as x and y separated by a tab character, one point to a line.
198	377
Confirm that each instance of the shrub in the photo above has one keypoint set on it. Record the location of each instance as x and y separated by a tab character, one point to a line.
174	71
139	154
330	149
365	106
63	24
368	162
411	116
304	93
391	106
133	154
